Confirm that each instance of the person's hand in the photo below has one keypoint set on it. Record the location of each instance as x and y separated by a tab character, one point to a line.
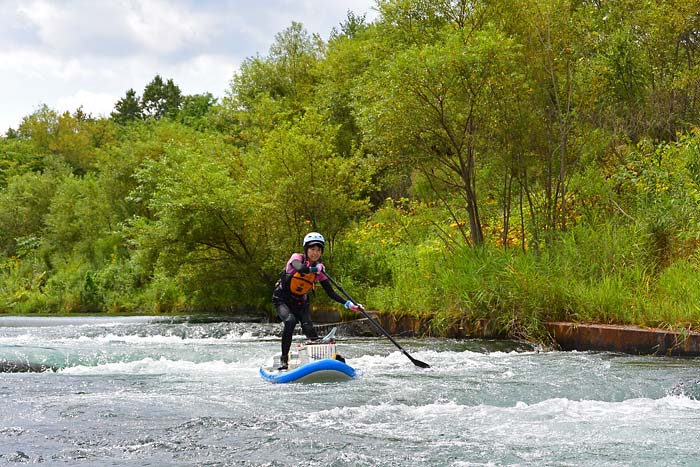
316	269
351	306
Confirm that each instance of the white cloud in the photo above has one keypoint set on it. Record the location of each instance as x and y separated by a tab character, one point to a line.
204	73
46	17
77	27
161	27
26	64
68	53
100	103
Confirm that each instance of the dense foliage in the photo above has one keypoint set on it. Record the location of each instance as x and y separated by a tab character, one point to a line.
474	163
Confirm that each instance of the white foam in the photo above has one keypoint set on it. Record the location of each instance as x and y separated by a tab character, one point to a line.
33	340
556	410
442	362
151	366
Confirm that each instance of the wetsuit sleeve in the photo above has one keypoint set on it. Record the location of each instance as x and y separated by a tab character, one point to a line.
332	293
299	266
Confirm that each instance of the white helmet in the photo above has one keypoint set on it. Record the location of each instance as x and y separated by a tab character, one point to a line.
314	238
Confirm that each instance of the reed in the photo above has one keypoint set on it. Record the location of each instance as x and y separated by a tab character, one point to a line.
604	275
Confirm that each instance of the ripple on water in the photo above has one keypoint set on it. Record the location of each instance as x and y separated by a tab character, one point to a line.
178	393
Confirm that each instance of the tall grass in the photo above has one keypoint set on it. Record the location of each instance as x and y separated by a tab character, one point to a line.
602	275
676	298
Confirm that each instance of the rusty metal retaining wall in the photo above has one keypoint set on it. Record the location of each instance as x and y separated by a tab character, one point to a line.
627	339
568	336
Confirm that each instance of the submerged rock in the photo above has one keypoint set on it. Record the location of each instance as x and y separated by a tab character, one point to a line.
9	366
689	389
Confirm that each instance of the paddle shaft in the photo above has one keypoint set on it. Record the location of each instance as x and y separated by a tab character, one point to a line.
377	325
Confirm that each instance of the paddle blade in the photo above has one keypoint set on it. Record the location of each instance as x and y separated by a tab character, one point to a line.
416	362
419	363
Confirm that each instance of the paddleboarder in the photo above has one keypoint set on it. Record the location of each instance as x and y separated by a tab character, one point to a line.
291	295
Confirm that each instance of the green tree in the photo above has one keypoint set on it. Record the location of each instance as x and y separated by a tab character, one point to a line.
127	109
352	26
442	100
549	37
24	205
17	156
73	138
81	220
276	88
303	184
198	224
195	108
161	99
347	59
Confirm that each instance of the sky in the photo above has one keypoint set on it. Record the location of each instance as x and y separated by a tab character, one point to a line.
71	53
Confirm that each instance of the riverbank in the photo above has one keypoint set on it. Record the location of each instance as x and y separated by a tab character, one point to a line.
566	336
627	339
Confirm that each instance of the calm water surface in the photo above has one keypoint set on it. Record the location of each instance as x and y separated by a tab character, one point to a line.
150	392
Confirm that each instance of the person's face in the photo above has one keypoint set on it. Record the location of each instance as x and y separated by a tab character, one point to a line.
314	253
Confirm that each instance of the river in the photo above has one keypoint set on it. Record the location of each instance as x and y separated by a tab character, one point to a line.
147	391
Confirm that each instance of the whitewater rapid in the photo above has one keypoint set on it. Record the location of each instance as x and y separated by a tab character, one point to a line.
153	391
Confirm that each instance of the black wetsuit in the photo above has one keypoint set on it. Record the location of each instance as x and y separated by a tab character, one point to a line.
293	309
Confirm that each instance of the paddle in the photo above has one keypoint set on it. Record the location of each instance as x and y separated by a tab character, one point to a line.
377	325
